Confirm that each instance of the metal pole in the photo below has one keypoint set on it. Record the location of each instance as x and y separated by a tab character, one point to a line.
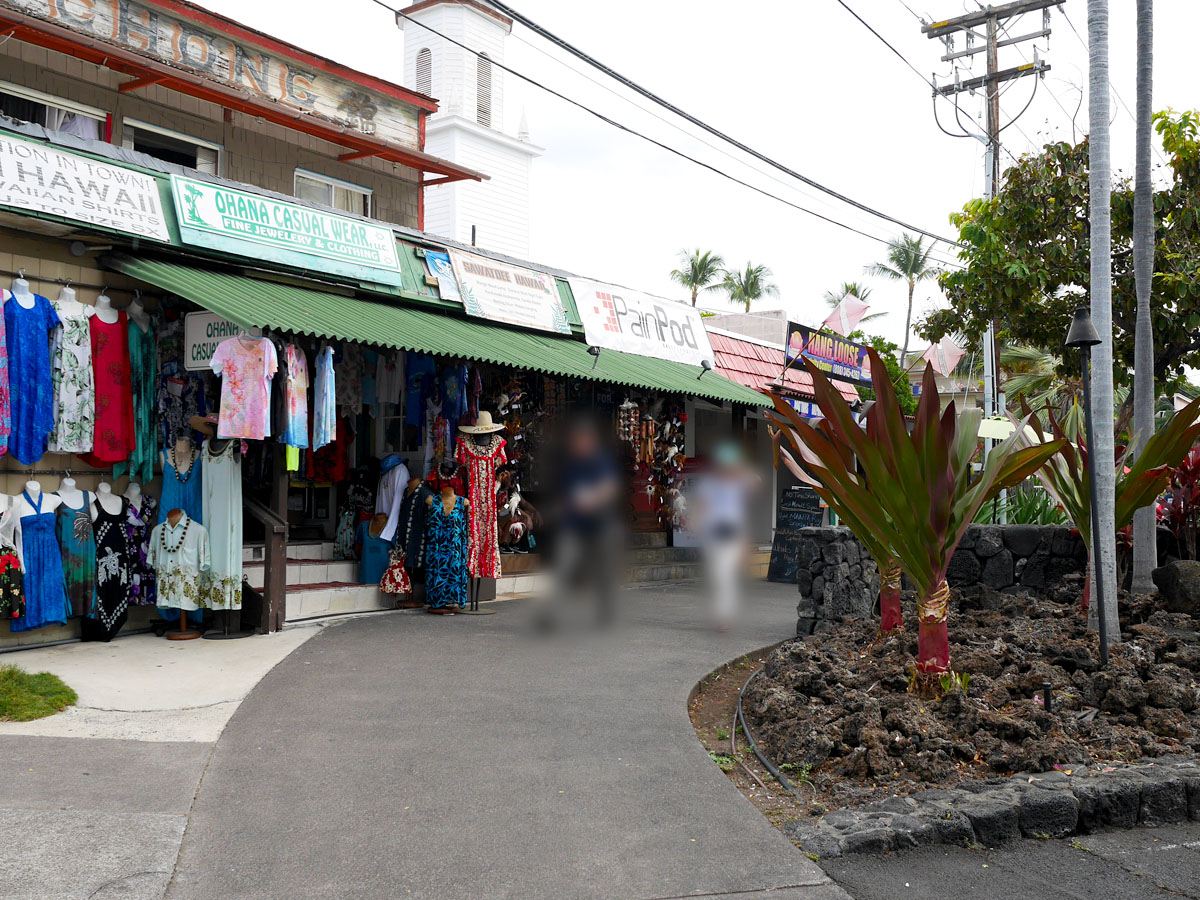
1097	582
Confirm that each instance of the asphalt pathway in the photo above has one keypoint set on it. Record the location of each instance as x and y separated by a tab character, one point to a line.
409	755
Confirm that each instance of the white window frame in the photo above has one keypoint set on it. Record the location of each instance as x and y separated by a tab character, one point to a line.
138	124
28	93
335	182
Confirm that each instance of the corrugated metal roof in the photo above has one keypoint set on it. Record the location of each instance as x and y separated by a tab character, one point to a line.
268	304
757	366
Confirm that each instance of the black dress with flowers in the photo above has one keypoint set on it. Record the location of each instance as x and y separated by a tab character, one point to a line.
12	585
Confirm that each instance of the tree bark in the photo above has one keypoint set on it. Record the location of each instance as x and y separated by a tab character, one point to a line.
891	617
933	640
1100	209
907	323
1145	551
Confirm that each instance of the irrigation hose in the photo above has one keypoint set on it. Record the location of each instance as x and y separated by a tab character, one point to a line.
770	766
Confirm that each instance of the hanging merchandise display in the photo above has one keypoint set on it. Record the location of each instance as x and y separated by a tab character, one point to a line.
139	522
374	550
180	399
246	365
29	322
182	480
223	515
113	431
45	586
296	432
481	451
179	553
324	419
414	510
349	379
395	580
5	405
74	388
393	479
12	585
389	377
143	366
114	577
446	552
73	526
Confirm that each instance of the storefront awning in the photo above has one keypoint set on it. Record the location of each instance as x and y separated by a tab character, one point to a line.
267	304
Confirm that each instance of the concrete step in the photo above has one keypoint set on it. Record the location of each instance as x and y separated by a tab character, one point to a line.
664	572
335	598
662	556
640	540
304	572
256	552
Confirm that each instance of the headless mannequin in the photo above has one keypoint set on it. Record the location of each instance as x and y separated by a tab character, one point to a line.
50	502
447	499
133	493
481	441
67	297
73	497
21	292
104	310
184	453
138	314
107	500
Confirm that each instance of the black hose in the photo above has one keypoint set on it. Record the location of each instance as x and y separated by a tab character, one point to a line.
770	766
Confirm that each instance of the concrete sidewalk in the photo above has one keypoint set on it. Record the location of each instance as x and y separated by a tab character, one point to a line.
410	755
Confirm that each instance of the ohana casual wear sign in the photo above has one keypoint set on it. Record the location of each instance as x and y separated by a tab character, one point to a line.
513	294
43	179
619	319
212	215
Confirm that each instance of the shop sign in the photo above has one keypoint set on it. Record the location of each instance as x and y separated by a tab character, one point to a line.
503	293
202	331
42	179
213	215
620	319
837	357
149	31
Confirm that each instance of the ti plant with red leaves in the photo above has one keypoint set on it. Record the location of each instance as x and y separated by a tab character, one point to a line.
1139	481
916	492
1183	514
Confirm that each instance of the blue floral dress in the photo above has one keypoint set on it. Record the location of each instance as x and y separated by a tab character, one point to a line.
31	392
446	555
45	587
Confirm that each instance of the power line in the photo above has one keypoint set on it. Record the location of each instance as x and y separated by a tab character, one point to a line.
628	130
715	132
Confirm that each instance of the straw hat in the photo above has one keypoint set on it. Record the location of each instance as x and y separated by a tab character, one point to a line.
483	425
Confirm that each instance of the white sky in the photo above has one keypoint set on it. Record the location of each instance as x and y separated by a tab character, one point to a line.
803	82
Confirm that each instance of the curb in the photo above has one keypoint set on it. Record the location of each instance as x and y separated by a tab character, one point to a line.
993	812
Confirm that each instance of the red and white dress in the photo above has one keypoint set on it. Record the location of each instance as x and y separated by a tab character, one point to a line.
481	462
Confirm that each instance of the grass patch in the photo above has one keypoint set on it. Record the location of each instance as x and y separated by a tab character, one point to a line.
25	696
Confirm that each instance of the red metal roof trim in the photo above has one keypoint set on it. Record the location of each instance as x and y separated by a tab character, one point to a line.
757	367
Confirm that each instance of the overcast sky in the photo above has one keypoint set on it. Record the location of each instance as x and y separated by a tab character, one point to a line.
802	82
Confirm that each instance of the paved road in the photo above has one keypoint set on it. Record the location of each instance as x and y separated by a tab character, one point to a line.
1142	864
428	757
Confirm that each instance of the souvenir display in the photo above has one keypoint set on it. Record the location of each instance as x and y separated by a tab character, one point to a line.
481	452
114	577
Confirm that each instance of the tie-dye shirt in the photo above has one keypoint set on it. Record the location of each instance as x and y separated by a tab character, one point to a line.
246	366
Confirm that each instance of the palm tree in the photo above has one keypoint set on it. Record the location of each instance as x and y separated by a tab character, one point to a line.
1145	549
1100	283
907	261
699	271
861	291
747	286
1032	376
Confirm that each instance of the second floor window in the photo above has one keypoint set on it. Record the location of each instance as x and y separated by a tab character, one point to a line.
53	113
331	192
171	146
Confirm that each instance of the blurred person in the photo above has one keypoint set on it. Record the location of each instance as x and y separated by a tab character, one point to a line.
720	504
587	538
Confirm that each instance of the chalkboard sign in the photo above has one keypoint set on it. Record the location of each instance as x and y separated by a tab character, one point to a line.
800	507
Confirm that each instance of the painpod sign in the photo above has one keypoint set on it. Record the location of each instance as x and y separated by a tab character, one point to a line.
831	353
616	318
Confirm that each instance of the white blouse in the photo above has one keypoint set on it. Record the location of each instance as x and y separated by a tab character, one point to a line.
178	554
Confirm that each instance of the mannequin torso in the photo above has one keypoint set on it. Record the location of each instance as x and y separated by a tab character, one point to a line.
22	294
133	493
33	492
108	501
104	310
138	314
182	457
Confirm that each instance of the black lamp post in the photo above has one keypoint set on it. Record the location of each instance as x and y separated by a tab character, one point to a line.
1082	335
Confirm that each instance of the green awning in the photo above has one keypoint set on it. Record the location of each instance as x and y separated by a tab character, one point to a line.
269	304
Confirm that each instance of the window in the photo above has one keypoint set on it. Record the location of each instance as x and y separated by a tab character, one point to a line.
171	146
51	112
483	90
425	71
330	192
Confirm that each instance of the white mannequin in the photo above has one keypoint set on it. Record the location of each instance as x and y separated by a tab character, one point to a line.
105	311
185	456
50	502
73	497
107	500
21	292
138	313
133	493
67	294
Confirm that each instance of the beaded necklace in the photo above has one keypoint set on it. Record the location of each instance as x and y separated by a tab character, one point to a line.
175	467
162	536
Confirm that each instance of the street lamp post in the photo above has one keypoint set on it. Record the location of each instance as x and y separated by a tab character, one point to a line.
1082	335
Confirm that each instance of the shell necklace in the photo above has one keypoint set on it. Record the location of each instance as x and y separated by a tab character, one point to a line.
162	536
175	467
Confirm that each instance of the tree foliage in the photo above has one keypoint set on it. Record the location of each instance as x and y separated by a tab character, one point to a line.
1024	246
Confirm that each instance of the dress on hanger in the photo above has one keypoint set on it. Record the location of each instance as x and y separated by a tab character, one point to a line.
143	366
324	421
481	463
296	433
350	372
139	522
179	554
390	495
223	513
180	398
395	580
45	588
78	544
12	587
31	391
5	406
74	391
410	537
114	578
446	555
182	491
114	430
246	365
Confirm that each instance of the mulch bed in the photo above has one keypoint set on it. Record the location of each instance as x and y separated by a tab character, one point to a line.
838	701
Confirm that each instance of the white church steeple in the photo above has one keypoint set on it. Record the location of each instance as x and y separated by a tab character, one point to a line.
470	127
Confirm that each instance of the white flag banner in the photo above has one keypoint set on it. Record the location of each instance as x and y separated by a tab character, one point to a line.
944	355
620	319
846	315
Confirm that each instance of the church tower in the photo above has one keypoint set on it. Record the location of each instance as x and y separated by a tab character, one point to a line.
470	125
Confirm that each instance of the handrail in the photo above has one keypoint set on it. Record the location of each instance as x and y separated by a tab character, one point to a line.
266	515
274	565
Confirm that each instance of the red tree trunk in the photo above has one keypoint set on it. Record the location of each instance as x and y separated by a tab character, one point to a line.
933	640
1085	602
890	616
